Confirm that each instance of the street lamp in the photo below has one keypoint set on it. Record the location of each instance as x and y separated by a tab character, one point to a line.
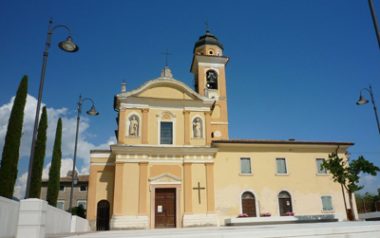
374	19
362	100
91	112
68	46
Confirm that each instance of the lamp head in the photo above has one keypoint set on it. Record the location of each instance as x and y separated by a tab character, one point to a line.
68	45
92	111
361	100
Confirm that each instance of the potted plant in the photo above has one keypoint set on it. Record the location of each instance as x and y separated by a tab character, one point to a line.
265	214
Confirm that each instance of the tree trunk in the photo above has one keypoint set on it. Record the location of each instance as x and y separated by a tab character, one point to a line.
350	212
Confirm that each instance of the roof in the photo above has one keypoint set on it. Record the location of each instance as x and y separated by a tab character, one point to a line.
289	142
208	39
81	178
165	80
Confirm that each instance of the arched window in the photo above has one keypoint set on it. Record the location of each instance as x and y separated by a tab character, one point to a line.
134	124
197	128
248	204
212	79
103	216
285	203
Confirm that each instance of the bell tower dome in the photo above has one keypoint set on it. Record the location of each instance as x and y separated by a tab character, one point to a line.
208	67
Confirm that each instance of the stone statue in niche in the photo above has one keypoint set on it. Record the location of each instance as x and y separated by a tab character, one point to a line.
133	126
197	128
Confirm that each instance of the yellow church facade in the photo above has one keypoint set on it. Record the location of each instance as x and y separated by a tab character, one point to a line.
175	166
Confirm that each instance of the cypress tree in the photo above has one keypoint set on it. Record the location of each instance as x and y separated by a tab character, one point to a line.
39	156
55	167
10	156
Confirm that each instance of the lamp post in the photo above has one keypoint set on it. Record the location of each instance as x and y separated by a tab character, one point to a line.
68	46
374	19
91	112
362	100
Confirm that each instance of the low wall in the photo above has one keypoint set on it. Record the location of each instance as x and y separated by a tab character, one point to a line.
57	220
79	224
8	217
37	220
374	216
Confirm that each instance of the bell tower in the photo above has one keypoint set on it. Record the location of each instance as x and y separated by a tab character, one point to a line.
208	67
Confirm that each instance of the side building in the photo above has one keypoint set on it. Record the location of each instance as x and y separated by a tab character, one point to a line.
175	166
79	193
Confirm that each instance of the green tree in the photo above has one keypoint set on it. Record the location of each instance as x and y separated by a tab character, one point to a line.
347	173
39	156
79	211
55	167
10	156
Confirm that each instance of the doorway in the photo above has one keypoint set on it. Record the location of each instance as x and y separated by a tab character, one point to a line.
165	208
103	216
285	203
248	203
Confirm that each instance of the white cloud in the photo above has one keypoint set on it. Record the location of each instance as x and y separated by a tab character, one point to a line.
370	183
68	138
20	186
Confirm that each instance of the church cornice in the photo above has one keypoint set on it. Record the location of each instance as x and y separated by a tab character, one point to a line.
209	59
165	104
286	145
167	151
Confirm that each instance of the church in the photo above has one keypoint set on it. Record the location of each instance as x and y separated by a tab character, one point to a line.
174	164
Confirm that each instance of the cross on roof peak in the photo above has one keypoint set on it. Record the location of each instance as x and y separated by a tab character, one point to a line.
166	53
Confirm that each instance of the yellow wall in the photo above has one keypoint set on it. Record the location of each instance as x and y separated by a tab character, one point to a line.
302	182
131	189
155	116
199	175
101	186
157	170
165	92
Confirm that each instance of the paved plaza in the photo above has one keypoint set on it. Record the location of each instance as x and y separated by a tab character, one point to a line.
330	230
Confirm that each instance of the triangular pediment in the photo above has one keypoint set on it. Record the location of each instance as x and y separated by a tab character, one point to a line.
166	88
165	179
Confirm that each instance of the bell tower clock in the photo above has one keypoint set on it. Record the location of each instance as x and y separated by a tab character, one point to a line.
208	67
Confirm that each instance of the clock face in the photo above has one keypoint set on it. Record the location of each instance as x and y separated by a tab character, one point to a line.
212	79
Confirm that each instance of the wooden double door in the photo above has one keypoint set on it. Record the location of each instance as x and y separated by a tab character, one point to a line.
249	204
165	208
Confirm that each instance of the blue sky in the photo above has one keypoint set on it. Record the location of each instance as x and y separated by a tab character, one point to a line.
295	71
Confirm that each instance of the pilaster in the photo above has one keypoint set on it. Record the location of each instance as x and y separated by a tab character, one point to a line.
210	188
121	127
143	186
145	118
208	127
118	196
187	188
186	115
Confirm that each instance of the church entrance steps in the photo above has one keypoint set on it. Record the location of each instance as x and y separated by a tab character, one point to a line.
197	220
243	221
129	222
310	230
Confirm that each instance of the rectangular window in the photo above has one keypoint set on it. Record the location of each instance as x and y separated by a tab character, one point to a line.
61	204
327	203
320	170
245	166
83	188
83	203
61	188
166	136
281	166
